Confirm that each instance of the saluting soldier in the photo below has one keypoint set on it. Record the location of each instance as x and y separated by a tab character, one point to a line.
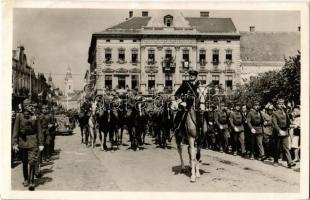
235	120
281	124
27	135
255	122
187	93
212	129
221	121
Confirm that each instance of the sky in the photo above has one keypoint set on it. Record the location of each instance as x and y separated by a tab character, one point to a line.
58	38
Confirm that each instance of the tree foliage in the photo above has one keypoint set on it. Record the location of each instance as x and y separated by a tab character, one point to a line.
269	86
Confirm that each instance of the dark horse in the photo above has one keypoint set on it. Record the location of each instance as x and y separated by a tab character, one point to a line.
83	119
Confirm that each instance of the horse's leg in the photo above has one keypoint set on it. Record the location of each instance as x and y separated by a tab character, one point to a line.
105	139
197	162
101	139
179	146
82	138
191	142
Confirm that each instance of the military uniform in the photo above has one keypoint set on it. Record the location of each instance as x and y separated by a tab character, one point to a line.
212	129
221	121
255	122
268	130
236	123
27	135
281	124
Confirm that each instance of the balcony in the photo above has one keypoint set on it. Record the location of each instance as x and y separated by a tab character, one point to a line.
108	62
168	66
151	62
134	62
121	61
228	62
215	62
202	63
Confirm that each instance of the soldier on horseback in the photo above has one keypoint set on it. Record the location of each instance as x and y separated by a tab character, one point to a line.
187	94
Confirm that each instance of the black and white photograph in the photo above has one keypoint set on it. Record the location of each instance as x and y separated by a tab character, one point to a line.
164	100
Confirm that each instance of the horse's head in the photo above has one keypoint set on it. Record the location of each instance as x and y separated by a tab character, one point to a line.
202	95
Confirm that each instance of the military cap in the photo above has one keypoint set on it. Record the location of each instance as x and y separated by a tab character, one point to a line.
27	102
237	104
193	72
256	102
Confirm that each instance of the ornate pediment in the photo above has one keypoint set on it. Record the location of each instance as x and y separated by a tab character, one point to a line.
108	70
121	70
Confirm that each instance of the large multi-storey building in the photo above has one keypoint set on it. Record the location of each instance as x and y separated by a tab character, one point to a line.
155	52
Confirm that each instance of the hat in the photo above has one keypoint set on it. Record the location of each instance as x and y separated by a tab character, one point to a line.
256	102
27	102
237	104
193	72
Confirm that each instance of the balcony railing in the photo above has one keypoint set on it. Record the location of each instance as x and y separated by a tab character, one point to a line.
168	66
151	62
228	62
108	61
215	62
120	61
134	62
202	63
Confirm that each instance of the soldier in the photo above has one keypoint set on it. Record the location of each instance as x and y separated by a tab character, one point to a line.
27	135
281	124
247	131
235	120
212	129
221	121
268	130
186	94
45	125
255	122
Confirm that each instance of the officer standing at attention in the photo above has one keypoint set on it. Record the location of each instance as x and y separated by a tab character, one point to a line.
27	135
221	121
187	93
235	120
281	124
255	122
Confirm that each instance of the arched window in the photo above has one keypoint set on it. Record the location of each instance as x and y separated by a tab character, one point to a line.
168	20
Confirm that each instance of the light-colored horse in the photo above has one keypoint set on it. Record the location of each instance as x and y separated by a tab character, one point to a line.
92	124
194	131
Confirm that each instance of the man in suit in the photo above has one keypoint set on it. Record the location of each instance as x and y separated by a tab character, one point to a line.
27	135
281	124
186	94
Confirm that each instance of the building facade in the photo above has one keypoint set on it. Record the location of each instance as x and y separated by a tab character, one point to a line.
154	53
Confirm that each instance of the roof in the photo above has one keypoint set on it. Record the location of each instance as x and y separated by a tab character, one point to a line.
133	23
202	24
268	46
212	25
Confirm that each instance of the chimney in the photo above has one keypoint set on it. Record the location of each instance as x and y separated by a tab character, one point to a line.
130	14
298	28
204	14
14	52
252	28
145	13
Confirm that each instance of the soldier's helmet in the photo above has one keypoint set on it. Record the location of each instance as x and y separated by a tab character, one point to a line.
280	100
27	102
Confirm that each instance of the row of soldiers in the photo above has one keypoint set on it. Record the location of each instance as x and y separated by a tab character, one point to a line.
263	132
33	139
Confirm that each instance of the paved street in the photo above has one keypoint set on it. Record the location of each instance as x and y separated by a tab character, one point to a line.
76	167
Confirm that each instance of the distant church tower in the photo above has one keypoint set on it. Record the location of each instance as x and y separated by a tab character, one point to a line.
68	82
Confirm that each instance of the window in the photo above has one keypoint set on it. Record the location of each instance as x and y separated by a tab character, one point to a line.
134	55
228	41
215	41
151	82
107	55
121	55
107	40
121	40
134	40
203	79
108	81
202	57
151	57
185	55
168	54
229	81
215	79
168	81
202	41
215	57
121	82
168	20
229	55
134	81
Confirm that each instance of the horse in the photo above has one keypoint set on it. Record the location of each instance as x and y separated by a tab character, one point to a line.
193	131
92	124
83	118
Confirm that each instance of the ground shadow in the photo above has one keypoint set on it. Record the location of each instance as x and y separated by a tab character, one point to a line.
46	171
46	163
268	162
177	170
42	181
15	163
